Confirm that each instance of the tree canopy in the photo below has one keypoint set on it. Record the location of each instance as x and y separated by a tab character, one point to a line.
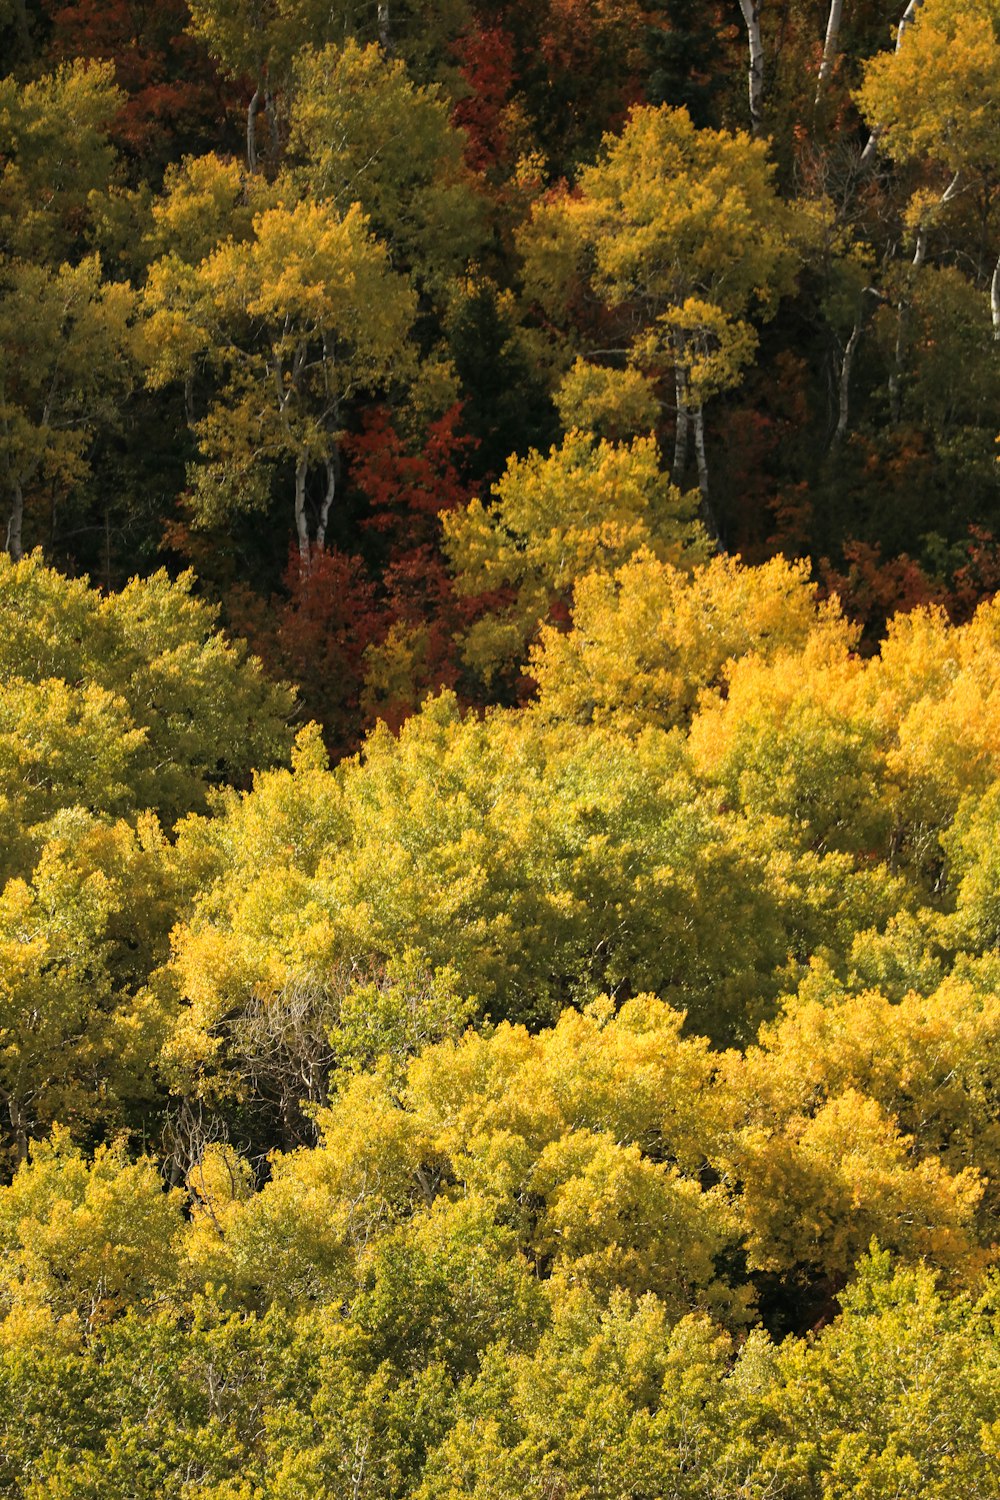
499	750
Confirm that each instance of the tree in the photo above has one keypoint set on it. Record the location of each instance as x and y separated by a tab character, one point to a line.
588	863
857	1401
261	41
136	700
83	1241
58	164
588	505
683	233
932	98
70	346
172	99
365	133
648	639
292	322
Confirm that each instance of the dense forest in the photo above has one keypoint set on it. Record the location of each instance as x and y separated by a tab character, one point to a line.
500	750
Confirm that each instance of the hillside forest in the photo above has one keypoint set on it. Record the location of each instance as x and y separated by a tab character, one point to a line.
499	750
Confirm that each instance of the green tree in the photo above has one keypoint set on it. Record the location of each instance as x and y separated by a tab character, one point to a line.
69	360
262	41
58	166
367	134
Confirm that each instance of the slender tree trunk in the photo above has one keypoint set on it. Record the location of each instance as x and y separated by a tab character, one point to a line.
847	366
755	74
995	300
252	109
16	521
845	382
301	522
896	374
907	19
331	490
830	46
698	422
681	432
384	26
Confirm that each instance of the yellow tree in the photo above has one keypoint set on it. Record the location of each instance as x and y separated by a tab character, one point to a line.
292	322
64	331
648	639
586	505
683	232
935	100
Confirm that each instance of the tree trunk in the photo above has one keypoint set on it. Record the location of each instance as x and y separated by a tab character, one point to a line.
896	376
301	522
271	110
16	521
331	490
907	19
681	432
19	1125
698	420
995	300
755	76
845	381
252	109
384	27
829	46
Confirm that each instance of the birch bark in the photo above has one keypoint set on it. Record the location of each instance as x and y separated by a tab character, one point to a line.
755	73
830	46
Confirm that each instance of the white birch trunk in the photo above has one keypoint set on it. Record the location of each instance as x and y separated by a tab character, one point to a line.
301	522
698	422
252	109
681	431
755	74
845	383
907	19
384	27
331	490
19	1125
995	300
830	46
271	111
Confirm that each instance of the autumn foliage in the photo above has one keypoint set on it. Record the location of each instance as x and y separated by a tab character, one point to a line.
499	750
